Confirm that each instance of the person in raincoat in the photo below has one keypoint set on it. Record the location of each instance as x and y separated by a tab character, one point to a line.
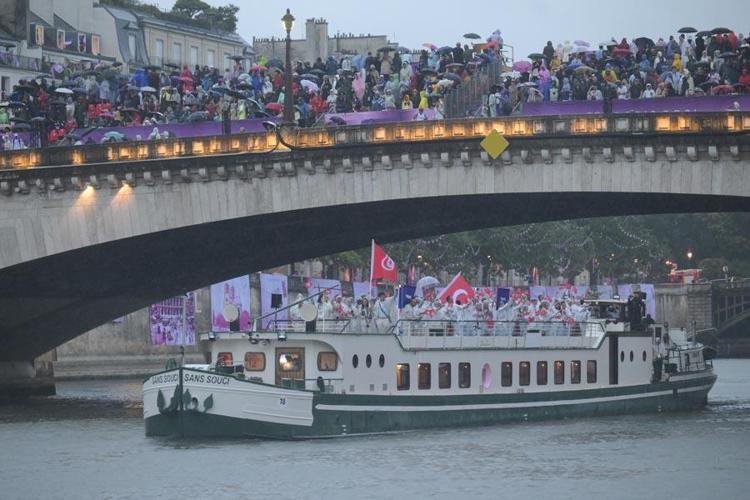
424	102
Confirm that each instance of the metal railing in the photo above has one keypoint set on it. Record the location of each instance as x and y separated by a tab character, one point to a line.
380	134
467	97
301	326
10	60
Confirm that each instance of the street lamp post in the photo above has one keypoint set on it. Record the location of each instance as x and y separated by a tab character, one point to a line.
288	21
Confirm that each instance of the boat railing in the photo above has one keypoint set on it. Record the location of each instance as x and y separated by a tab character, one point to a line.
441	334
301	326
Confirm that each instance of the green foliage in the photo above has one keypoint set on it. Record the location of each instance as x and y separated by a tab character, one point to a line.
190	8
194	12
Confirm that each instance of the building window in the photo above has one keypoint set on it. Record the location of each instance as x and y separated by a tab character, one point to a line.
328	361
82	43
61	39
575	372
355	361
96	45
381	361
39	35
444	375
255	361
464	375
591	371
193	56
402	376
131	47
524	373
159	51
210	58
559	372
176	53
224	359
424	375
541	373
506	374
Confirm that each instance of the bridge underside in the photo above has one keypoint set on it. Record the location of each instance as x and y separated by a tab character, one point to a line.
45	302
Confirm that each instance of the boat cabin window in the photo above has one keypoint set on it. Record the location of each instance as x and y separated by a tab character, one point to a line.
559	372
424	375
614	311
328	361
444	375
591	371
355	361
464	375
541	373
381	361
524	373
575	372
224	359
506	374
402	376
290	361
255	361
368	361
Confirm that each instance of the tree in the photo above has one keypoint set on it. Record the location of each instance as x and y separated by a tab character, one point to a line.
190	8
224	17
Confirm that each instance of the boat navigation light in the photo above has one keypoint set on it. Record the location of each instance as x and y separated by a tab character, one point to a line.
211	336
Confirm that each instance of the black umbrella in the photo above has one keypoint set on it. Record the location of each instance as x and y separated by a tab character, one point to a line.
644	42
688	30
318	72
444	50
235	93
428	71
472	36
451	76
403	50
704	33
536	55
244	86
720	31
385	49
21	127
198	116
237	58
171	65
275	63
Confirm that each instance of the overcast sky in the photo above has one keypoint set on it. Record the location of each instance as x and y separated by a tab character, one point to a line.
527	24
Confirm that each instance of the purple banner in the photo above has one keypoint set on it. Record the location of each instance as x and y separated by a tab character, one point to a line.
361	288
172	321
317	285
271	284
234	292
396	115
661	105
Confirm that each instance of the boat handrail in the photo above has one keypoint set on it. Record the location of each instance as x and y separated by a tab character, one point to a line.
503	328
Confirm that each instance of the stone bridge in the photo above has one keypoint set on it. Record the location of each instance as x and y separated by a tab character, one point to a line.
90	233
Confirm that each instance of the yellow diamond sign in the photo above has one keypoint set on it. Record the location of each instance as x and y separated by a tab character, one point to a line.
494	144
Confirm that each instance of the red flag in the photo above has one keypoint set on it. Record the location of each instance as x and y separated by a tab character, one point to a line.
459	289
382	266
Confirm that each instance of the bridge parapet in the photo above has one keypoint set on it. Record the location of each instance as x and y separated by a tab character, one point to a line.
513	127
730	302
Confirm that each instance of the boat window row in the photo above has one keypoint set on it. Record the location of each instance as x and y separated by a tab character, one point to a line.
644	356
424	374
368	361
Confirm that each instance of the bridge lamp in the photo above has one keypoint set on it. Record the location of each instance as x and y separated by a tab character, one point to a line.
288	22
690	255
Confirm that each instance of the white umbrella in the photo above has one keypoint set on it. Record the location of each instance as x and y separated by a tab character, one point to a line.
426	282
63	90
309	85
148	89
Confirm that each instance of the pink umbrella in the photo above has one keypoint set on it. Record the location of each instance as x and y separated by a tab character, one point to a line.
522	66
582	43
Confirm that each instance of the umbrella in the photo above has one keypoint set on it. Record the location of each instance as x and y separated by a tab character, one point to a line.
318	72
274	69
148	89
274	106
536	55
583	69
620	51
722	89
255	103
244	86
451	76
154	114
63	90
444	50
511	74
171	65
237	58
454	65
720	31
198	116
234	93
644	41
704	33
529	84
426	282
522	66
428	71
687	30
338	120
310	76
582	43
385	49
728	54
16	104
472	36
113	136
21	127
430	46
581	50
403	50
275	63
310	86
607	43
243	76
79	90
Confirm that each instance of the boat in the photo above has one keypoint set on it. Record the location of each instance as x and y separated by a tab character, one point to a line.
309	379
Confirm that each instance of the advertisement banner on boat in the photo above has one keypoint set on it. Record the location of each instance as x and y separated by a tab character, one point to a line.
172	321
230	305
270	285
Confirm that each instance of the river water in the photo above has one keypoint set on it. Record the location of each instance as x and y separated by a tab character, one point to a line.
88	442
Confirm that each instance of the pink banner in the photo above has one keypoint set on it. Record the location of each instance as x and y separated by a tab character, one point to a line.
172	321
271	284
235	292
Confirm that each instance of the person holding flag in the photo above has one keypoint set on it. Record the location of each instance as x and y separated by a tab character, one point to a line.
382	268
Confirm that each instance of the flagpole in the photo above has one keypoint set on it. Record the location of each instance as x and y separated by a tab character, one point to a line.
372	265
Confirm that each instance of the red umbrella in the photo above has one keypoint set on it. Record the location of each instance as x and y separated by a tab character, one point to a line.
274	106
621	51
722	89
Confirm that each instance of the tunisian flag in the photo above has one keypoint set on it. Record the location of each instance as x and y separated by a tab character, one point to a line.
382	266
459	289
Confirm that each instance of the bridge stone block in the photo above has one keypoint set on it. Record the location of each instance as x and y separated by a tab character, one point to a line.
735	152
5	187
289	169
692	153
650	153
203	174
566	155
258	169
221	172
41	185
94	181
309	167
278	169
241	171
328	166
348	165
485	158
23	187
713	153
148	178
628	152
367	164
506	157
113	181
445	159
424	158
77	183
466	158
185	175
608	156
525	156
546	156
406	160
58	183
130	179
588	157
166	176
386	161
671	153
